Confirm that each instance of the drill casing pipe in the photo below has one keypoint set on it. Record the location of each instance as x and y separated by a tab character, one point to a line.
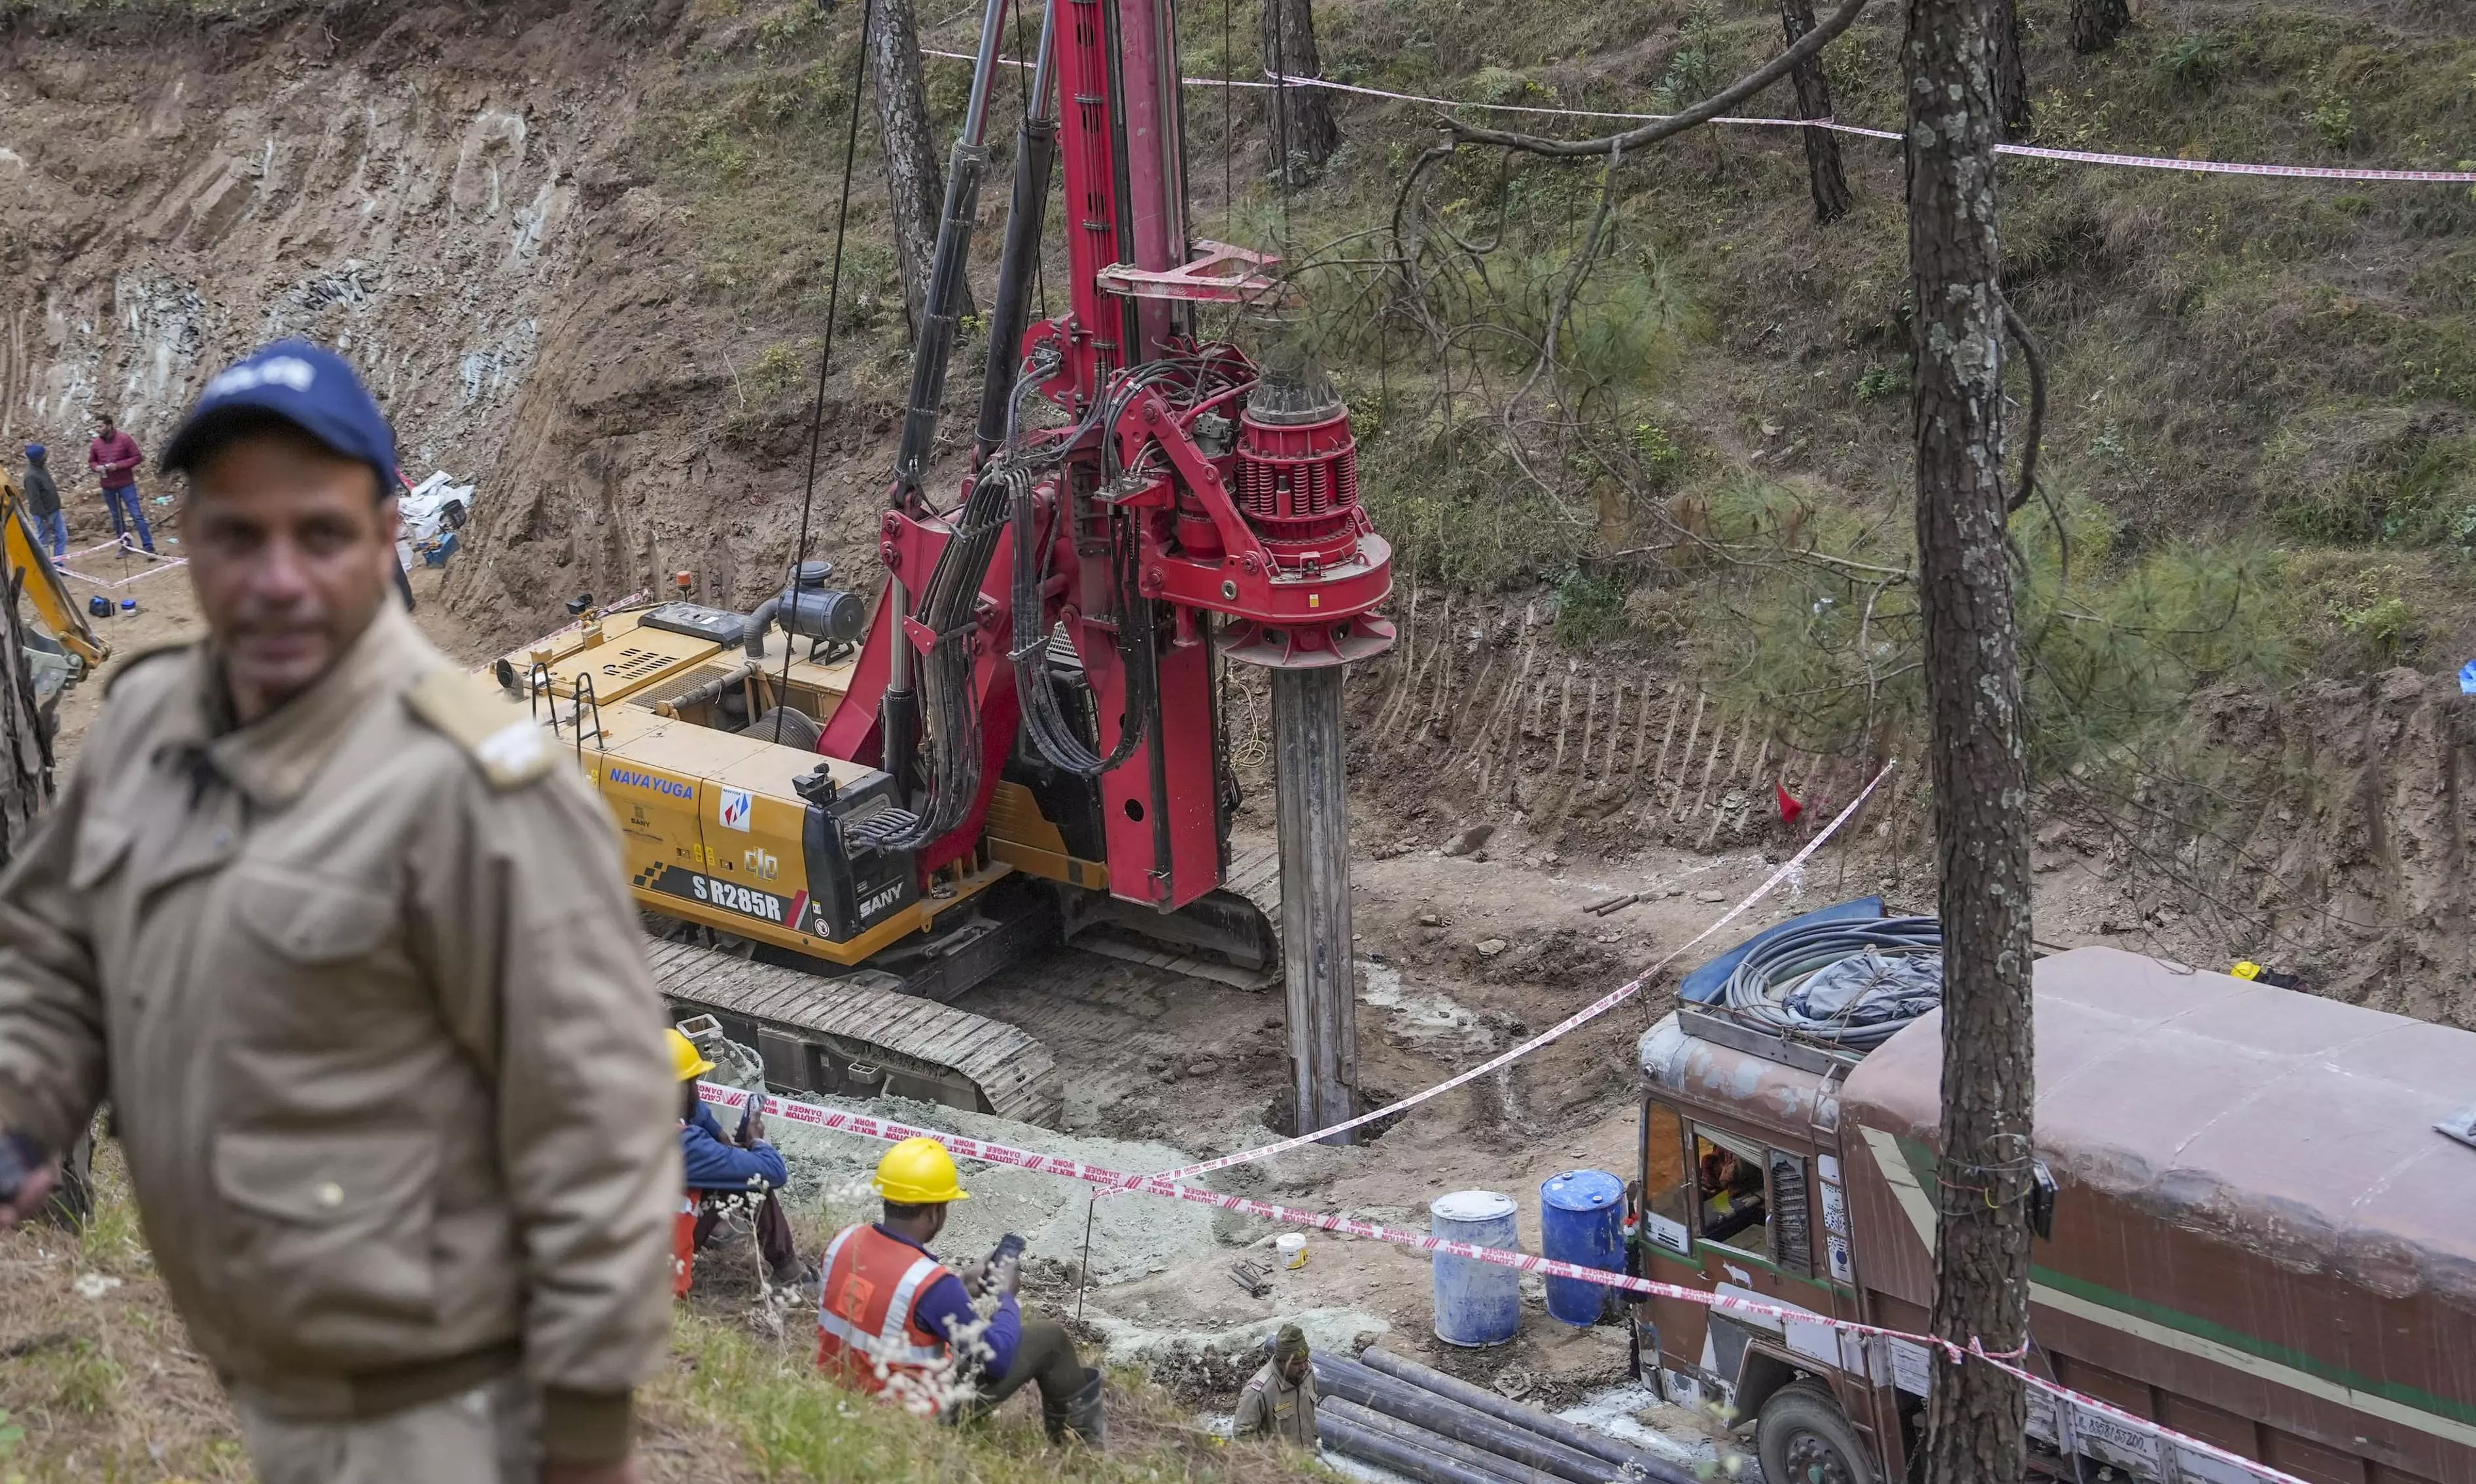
1318	968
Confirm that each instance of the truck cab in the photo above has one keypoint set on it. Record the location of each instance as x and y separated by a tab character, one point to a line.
2262	1234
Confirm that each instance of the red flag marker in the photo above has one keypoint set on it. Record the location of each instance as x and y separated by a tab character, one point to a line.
1789	807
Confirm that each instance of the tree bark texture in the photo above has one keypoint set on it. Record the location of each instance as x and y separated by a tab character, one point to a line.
1304	133
2011	69
25	735
912	178
26	728
1979	772
2096	23
1822	169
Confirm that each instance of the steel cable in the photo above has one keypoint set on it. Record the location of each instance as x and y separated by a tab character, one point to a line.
1763	978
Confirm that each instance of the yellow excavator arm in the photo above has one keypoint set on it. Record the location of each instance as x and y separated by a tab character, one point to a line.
42	586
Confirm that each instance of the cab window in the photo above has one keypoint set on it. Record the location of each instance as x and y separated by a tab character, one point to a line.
1731	1203
1667	1180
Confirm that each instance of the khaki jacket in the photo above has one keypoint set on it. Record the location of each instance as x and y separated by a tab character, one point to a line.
363	985
1270	1407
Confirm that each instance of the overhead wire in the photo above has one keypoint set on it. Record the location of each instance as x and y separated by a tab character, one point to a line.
826	354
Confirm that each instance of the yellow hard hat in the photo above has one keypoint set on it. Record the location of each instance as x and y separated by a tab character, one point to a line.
919	1172
686	1061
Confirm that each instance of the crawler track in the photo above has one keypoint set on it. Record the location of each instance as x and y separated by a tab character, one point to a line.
829	1035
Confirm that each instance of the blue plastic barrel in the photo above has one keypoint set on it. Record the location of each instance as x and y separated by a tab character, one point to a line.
1476	1302
1581	1221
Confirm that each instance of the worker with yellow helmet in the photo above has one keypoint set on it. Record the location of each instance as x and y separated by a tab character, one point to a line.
721	1173
896	1321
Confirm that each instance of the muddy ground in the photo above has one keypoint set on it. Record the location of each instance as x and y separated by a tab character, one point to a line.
1459	957
1464	949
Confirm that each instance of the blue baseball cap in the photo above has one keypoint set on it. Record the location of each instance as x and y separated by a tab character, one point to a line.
307	385
35	451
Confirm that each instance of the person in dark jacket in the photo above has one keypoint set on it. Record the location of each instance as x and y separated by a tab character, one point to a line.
43	501
1279	1401
727	1174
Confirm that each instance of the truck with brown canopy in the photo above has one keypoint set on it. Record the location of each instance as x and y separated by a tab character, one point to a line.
2261	1231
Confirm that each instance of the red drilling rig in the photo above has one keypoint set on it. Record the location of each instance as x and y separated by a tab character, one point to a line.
1176	506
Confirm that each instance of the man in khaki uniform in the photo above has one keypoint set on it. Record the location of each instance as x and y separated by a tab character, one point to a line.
351	954
1279	1401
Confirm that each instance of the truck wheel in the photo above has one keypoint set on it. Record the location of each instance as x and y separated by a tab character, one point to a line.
1802	1438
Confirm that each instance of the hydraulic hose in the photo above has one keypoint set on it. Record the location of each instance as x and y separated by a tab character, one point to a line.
935	348
947	608
759	623
1026	215
1797	952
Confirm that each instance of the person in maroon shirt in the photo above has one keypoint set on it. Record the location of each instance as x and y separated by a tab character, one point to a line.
114	459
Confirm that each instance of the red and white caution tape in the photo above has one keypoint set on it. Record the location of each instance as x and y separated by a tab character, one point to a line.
866	1126
1272	80
963	1146
1587	1013
2139	1424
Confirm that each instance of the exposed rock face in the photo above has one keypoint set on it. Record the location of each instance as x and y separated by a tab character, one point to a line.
447	194
174	193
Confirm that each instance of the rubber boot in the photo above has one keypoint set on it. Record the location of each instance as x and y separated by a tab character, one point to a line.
1079	1414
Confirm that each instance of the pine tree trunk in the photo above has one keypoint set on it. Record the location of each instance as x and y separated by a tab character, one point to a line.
911	174
26	727
1304	134
1830	183
1975	1413
2011	69
25	735
2096	23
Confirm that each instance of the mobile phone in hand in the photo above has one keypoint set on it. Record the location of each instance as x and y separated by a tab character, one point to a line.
1009	1246
750	1114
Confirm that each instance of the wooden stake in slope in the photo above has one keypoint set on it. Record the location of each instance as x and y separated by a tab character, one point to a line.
1616	730
1675	709
1685	761
1590	720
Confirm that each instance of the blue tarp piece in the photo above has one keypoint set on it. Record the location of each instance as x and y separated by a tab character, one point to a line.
1709	983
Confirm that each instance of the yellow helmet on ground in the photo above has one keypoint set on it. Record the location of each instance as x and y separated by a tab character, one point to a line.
919	1172
686	1061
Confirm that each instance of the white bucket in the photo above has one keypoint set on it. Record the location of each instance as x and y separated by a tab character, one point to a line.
1292	1247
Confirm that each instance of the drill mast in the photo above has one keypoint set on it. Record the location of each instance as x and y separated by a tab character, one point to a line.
1192	502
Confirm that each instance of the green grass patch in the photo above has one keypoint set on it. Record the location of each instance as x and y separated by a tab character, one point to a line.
766	1394
1818	630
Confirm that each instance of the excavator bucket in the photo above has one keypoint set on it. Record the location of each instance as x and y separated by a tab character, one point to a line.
31	566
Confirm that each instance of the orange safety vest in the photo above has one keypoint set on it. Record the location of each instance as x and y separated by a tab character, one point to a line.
683	1247
866	1334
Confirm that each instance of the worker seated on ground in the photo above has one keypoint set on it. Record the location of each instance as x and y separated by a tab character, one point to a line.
896	1321
726	1176
1732	1195
1279	1401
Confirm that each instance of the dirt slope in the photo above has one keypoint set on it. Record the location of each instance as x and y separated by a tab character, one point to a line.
431	189
580	246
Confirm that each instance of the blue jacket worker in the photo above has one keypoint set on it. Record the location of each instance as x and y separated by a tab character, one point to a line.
725	1173
43	500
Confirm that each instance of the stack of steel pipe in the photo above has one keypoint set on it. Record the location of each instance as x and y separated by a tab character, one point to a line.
1430	1428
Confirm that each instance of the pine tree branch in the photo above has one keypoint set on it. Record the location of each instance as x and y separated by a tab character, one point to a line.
1702	112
